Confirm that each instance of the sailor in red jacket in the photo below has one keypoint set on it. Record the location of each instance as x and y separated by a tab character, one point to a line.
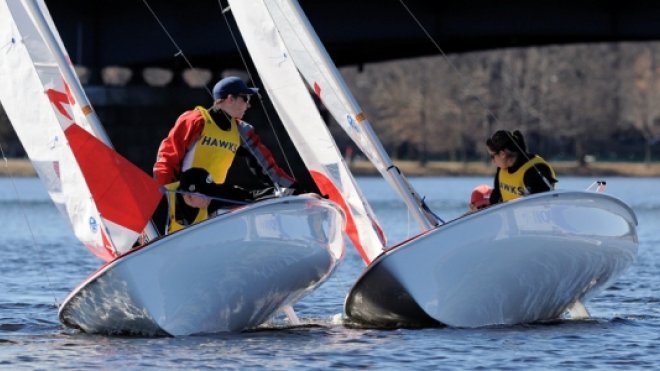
212	140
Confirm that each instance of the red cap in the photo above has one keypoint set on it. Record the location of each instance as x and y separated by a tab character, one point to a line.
481	196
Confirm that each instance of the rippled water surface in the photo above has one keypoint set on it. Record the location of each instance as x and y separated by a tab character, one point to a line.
42	261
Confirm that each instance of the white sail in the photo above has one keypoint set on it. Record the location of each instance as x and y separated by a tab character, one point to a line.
91	185
314	63
306	127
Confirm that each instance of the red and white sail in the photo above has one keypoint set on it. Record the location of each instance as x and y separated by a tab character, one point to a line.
307	129
107	200
314	63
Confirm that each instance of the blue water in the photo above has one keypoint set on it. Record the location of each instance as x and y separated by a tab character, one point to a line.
42	261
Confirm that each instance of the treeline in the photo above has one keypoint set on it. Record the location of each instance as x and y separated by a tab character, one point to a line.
570	101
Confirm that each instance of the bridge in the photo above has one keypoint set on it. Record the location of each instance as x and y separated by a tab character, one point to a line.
121	32
103	33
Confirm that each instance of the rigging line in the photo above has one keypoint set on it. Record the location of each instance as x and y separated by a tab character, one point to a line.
223	11
446	58
189	64
179	51
29	226
227	200
463	78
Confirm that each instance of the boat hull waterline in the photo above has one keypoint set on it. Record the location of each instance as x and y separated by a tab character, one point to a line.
227	274
520	262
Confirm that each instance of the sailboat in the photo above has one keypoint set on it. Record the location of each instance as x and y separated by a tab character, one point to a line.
533	259
229	273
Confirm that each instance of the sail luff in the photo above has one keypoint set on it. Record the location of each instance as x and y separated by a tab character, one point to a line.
316	66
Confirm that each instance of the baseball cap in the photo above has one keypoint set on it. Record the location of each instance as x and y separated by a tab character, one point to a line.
231	85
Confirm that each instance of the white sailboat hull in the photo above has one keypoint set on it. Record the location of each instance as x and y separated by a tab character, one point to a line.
519	262
230	273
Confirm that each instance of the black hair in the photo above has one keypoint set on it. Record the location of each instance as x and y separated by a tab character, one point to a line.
504	139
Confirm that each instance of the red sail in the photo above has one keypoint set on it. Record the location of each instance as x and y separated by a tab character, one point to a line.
123	193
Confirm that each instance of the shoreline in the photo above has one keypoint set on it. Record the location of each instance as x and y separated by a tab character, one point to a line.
19	167
23	168
481	168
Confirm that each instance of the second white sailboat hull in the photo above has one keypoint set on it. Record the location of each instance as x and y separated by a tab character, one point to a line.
229	273
518	262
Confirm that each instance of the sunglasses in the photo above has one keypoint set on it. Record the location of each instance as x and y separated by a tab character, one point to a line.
246	98
493	154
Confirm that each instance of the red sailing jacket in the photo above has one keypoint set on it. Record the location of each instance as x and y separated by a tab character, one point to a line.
186	132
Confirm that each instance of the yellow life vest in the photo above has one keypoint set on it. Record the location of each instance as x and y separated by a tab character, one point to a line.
216	148
512	185
174	225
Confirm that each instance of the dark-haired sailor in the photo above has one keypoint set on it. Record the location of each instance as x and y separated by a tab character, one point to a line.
213	140
519	173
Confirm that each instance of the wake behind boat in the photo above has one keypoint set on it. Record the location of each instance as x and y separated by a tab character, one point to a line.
518	262
229	273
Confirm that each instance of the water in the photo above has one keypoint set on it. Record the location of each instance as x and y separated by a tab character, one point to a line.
42	261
